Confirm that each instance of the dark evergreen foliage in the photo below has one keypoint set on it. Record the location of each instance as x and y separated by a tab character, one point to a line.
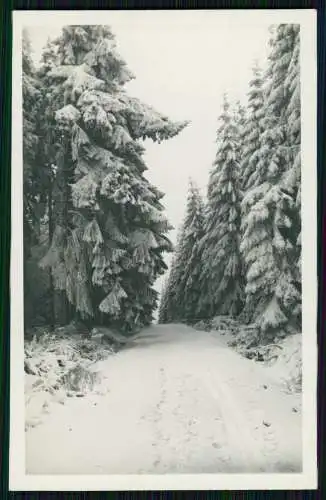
221	263
270	216
182	296
110	231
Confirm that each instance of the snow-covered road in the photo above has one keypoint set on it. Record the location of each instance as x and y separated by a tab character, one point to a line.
179	401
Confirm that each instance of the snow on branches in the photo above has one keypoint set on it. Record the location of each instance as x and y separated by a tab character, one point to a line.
114	208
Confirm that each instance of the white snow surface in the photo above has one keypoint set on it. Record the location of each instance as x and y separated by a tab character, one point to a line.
176	400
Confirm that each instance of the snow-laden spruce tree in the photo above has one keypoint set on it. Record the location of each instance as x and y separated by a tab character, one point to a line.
181	295
190	250
175	284
171	308
251	176
268	207
112	248
221	267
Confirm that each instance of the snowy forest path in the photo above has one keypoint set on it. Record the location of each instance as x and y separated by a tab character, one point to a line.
178	401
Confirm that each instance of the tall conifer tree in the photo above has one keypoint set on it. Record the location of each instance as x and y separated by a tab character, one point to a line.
116	230
171	307
221	266
181	297
191	295
272	294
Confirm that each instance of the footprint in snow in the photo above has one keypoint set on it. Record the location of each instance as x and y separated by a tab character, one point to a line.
216	445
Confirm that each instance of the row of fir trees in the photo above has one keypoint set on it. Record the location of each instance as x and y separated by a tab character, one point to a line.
93	223
239	253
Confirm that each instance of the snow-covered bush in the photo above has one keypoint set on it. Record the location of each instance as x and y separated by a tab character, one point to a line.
287	367
58	365
225	323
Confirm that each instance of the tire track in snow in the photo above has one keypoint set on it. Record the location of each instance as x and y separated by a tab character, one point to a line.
240	439
190	406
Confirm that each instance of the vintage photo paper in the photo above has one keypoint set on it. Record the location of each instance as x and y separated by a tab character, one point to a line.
163	259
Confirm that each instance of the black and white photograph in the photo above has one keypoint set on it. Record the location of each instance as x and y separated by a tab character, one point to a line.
163	270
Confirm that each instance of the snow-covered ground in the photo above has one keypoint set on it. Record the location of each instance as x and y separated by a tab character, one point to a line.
175	401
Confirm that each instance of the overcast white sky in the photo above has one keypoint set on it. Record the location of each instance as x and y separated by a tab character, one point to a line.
183	62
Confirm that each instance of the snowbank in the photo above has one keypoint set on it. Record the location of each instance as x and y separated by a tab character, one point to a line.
179	401
282	358
58	366
287	365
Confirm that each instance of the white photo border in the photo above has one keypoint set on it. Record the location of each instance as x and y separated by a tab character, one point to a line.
18	479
